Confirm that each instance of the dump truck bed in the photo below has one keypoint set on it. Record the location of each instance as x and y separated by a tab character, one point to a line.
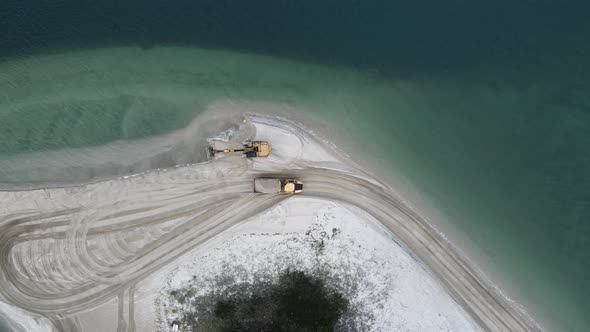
267	185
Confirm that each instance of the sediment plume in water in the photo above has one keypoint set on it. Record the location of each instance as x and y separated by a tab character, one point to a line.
84	116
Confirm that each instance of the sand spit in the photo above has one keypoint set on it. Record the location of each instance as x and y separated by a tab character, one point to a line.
388	289
100	248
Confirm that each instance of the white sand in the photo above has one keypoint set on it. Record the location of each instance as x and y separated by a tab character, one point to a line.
393	286
22	321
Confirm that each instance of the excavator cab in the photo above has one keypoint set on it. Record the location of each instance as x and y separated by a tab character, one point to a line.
256	149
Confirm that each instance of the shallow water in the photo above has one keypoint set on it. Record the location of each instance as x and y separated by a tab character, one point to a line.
484	109
4	327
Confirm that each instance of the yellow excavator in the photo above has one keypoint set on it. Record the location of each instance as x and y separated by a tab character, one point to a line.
249	150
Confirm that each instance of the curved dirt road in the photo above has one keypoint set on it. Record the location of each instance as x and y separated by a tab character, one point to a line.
59	263
484	304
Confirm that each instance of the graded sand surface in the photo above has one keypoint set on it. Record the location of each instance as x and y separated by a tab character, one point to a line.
86	255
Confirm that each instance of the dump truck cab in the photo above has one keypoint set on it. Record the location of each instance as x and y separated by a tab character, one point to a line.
292	186
276	185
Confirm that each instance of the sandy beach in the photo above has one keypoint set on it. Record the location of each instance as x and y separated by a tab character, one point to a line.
81	255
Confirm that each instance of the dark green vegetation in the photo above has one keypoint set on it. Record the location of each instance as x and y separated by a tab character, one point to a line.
298	302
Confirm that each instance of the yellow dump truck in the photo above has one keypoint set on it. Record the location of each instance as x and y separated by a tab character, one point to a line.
275	186
248	150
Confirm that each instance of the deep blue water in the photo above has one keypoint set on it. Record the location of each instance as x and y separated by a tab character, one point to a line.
524	162
411	37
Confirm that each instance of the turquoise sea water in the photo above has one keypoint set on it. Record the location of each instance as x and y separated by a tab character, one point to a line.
484	110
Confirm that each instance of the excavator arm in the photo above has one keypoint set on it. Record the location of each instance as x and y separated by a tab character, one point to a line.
251	149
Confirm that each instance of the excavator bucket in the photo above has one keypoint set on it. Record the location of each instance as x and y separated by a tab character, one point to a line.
210	152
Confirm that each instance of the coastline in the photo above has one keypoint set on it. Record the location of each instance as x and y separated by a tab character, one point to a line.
287	162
